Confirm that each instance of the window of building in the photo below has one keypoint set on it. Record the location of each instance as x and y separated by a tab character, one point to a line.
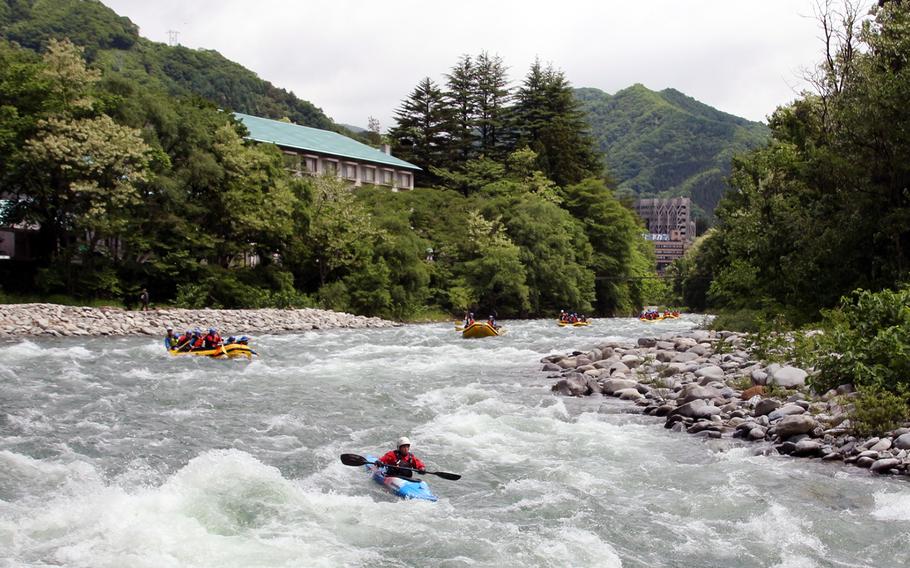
404	179
368	175
330	166
291	161
387	177
311	164
349	171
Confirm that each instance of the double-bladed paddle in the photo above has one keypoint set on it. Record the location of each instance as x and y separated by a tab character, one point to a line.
355	460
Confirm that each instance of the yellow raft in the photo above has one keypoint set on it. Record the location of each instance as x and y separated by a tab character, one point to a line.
576	324
480	329
224	352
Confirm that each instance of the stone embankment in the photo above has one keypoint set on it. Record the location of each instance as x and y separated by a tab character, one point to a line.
705	383
58	321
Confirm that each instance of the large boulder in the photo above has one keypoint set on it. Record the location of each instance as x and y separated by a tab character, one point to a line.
647	341
793	425
574	385
788	377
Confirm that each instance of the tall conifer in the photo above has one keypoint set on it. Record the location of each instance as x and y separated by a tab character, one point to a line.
423	123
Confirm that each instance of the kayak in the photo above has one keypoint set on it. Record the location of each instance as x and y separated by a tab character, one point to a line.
480	329
224	352
404	488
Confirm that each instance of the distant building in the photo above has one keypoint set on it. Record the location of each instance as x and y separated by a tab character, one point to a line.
669	225
316	152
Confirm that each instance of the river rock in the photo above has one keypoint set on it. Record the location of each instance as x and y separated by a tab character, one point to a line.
788	377
881	445
684	357
884	465
647	342
902	442
695	391
792	425
610	386
550	367
786	410
711	372
696	409
806	448
759	377
628	394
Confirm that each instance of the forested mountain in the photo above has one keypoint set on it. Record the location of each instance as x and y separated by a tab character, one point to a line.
667	143
112	43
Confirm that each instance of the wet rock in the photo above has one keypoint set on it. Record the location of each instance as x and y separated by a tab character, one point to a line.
884	465
696	409
792	425
550	367
647	342
881	445
807	448
902	442
610	386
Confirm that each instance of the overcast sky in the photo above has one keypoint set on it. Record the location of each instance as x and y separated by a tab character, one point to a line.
356	59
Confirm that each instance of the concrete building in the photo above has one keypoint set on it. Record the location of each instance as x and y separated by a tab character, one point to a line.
669	226
316	152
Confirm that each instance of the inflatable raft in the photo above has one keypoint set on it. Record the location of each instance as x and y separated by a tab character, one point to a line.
480	329
230	351
405	488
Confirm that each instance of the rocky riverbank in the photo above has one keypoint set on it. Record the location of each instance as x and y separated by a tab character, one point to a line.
55	320
705	383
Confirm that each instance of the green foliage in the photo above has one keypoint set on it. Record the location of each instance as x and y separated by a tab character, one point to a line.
665	143
877	411
866	342
823	209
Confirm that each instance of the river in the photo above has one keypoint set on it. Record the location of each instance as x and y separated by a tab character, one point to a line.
113	454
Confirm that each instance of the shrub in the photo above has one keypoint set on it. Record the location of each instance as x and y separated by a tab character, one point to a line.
877	411
866	342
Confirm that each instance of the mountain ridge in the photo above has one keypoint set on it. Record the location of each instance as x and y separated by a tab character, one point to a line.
666	143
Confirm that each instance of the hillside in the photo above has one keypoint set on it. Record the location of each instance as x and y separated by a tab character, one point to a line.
666	143
113	43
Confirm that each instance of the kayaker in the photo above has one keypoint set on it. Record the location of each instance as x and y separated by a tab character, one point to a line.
404	458
171	341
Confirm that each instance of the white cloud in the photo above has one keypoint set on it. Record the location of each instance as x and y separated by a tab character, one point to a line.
355	58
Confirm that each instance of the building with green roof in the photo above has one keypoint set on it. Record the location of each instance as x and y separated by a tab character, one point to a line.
316	152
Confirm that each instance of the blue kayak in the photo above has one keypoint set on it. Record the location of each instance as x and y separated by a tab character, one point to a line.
404	488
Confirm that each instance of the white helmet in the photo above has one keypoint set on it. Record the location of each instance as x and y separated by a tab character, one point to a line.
404	441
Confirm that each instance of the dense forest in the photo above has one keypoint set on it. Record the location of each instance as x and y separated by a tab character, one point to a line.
134	182
667	144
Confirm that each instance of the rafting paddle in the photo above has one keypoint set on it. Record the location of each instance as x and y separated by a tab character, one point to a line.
355	460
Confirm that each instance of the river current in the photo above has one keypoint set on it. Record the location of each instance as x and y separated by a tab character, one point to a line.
114	454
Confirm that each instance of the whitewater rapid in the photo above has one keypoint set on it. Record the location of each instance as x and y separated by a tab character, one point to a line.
114	454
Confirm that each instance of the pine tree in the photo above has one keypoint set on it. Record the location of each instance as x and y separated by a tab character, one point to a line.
422	130
492	98
461	99
548	119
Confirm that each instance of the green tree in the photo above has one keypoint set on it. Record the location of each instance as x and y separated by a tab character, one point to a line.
547	119
492	99
461	98
422	127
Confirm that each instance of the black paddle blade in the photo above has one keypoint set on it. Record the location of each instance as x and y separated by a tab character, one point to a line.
445	475
353	459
